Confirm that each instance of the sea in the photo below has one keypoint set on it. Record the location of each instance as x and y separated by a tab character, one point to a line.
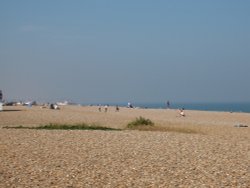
221	107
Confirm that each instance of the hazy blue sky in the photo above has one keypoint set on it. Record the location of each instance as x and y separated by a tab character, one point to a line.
131	50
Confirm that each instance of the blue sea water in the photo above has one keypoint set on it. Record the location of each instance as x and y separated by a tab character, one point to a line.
227	107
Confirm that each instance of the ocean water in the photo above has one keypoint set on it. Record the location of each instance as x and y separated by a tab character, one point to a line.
227	107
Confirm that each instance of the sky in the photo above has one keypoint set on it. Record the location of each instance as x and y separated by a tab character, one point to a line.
90	51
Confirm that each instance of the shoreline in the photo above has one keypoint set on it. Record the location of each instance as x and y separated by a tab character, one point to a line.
200	106
17	115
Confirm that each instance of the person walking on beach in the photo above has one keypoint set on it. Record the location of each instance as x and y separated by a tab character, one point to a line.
168	104
106	108
100	108
117	108
1	98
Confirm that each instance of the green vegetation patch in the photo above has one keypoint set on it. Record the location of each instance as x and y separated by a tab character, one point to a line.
140	122
143	124
82	126
16	127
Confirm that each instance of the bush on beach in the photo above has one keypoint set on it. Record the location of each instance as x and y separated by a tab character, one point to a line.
140	122
143	124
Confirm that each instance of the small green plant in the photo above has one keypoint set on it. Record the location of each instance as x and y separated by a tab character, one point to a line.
140	122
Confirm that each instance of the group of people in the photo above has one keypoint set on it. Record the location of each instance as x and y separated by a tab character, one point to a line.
181	110
106	108
117	109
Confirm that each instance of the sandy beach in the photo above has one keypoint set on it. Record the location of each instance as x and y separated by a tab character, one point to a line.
215	154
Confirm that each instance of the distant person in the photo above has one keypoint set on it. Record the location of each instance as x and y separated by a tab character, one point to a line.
51	106
1	95
130	105
117	108
106	108
181	111
54	107
1	100
168	104
100	108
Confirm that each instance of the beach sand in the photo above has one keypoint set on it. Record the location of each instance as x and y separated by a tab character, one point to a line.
214	154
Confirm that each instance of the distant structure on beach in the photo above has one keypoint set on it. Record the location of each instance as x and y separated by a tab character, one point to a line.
62	103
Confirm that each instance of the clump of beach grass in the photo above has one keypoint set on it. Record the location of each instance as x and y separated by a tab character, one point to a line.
143	124
139	122
55	126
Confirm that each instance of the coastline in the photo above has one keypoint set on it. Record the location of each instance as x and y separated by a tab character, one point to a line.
17	115
241	107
